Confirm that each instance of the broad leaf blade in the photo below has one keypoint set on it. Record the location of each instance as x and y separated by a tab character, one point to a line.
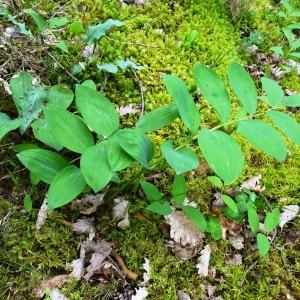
196	217
230	203
253	219
32	106
60	95
118	159
20	85
214	90
214	228
272	219
37	18
286	124
292	101
222	153
7	125
65	187
43	133
161	208
137	145
264	137
58	22
179	189
184	102
181	160
43	163
263	244
273	91
243	86
97	111
158	118
97	31
151	191
95	168
69	129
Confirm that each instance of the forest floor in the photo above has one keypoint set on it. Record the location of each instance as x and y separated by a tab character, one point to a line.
156	36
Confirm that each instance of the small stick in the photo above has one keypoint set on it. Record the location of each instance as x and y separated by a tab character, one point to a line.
129	274
61	66
141	90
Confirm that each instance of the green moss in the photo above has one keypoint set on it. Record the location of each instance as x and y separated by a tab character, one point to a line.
153	36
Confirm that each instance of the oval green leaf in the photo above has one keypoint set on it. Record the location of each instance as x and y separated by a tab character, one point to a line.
95	168
96	110
161	208
222	153
66	186
272	219
43	163
214	90
253	219
196	217
263	244
181	160
179	189
44	133
158	118
68	129
230	203
118	159
286	124
7	125
151	191
292	101
60	95
264	137
137	145
243	86
274	92
184	102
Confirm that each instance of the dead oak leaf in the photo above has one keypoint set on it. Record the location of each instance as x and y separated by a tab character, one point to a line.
51	284
203	261
289	213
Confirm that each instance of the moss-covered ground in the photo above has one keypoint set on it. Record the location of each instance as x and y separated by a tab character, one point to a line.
153	36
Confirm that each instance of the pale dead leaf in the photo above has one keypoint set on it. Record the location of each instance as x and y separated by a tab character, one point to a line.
146	274
187	201
56	294
203	261
120	212
89	51
253	184
78	268
209	291
53	283
89	203
237	242
289	213
127	109
140	294
42	215
101	251
85	225
183	296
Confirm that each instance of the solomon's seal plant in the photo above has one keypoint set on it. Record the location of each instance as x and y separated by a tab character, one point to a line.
103	148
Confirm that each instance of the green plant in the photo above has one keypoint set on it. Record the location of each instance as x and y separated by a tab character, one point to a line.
104	148
290	49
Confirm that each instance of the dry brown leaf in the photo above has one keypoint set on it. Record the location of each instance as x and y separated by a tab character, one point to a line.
101	250
89	203
253	184
228	225
42	215
236	259
203	261
186	239
289	213
53	283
